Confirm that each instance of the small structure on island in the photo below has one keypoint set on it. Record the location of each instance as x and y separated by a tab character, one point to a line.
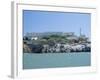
34	38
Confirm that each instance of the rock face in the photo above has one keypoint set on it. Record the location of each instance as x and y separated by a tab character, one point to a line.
37	48
66	48
30	48
57	48
26	49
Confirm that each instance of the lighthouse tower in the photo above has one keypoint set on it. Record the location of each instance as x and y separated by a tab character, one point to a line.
80	32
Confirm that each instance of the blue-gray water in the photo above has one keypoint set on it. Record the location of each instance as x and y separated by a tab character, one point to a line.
53	60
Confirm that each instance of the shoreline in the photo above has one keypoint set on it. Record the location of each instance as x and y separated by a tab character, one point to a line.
62	53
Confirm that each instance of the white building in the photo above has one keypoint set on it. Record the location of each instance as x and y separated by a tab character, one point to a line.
34	38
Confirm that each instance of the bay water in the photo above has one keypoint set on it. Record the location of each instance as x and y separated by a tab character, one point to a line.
56	60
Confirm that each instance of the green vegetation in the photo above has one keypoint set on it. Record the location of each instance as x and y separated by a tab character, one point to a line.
55	39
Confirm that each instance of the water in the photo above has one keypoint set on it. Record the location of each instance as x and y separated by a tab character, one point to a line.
53	60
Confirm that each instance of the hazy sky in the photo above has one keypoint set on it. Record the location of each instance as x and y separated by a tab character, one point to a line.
44	21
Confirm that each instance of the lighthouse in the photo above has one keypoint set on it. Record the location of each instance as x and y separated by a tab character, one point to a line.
80	32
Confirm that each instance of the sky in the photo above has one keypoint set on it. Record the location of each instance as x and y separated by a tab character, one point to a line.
47	21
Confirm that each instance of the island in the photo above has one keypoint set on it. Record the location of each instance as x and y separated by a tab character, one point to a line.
55	42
